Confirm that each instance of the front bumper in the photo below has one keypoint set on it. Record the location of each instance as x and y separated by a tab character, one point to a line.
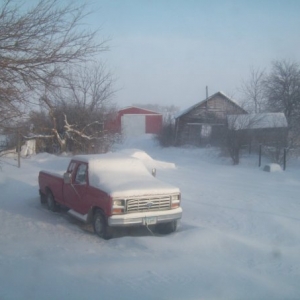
141	217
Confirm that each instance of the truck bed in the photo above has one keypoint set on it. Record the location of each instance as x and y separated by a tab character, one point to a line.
53	182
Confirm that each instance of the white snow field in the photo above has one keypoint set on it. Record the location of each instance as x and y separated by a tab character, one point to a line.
239	237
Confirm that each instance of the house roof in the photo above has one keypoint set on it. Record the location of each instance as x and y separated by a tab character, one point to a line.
205	100
257	121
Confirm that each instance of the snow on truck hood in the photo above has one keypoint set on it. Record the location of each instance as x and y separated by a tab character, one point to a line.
120	175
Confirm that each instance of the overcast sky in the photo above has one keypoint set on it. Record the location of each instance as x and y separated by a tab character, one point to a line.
166	51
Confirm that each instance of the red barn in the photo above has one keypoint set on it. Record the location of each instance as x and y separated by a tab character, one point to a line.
134	121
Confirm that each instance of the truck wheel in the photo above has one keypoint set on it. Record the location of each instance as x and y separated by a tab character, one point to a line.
51	202
43	198
100	225
166	228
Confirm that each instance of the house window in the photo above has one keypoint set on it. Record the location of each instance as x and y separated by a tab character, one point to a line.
205	131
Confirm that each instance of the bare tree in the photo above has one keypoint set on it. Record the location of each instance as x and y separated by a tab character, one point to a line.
283	90
88	86
253	91
36	46
237	135
10	110
77	111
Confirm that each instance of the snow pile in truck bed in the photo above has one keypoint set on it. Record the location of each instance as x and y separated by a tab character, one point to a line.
148	161
122	176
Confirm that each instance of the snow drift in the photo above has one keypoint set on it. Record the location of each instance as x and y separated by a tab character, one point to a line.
239	236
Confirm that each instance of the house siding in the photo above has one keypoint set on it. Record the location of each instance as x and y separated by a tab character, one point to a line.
153	124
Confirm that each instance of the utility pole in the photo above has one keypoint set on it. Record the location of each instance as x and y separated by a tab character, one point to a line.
259	157
206	97
19	149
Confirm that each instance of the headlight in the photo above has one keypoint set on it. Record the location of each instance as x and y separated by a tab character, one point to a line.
118	206
118	202
175	201
175	197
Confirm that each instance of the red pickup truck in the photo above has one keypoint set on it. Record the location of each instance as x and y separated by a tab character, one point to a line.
111	190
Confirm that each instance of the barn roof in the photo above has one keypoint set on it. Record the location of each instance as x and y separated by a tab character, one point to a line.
143	110
220	93
257	121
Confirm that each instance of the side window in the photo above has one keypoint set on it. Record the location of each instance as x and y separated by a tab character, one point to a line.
81	174
71	167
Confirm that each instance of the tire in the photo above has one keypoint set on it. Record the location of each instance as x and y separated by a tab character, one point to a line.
52	205
43	198
166	228
100	225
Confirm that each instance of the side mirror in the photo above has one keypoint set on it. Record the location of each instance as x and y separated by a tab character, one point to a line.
153	172
67	178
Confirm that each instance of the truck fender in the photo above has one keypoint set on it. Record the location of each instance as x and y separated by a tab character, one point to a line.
91	214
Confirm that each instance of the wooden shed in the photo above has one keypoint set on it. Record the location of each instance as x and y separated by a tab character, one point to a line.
205	122
268	129
134	121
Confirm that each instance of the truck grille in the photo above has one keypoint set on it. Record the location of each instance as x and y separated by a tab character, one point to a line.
148	204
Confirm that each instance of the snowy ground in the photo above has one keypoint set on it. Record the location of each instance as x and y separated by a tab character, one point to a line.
239	237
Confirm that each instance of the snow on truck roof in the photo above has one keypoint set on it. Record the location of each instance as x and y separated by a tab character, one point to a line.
121	175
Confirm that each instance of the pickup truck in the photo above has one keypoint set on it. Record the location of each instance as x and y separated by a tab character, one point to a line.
112	190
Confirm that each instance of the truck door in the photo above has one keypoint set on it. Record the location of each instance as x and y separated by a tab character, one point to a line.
76	193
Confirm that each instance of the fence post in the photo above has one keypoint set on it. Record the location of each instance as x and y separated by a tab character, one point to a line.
284	159
259	159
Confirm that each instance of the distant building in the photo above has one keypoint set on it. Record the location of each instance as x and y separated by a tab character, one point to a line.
269	129
135	121
206	122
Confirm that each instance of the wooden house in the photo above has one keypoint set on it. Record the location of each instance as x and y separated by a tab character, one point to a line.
205	122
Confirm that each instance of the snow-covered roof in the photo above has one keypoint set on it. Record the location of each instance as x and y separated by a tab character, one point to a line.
120	175
203	101
257	121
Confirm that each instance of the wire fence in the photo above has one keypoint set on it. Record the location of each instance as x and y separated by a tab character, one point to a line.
279	155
